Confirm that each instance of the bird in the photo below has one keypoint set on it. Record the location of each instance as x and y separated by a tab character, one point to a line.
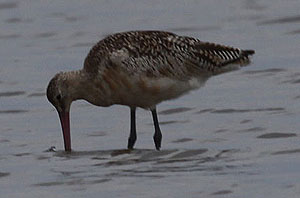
141	69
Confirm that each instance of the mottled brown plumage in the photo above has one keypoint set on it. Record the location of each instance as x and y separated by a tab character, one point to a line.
142	69
150	51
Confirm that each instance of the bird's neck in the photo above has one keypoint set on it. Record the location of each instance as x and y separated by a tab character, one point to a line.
82	85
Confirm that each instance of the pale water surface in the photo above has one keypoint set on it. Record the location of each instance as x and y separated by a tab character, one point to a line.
236	137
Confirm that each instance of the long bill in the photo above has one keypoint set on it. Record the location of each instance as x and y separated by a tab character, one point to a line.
65	125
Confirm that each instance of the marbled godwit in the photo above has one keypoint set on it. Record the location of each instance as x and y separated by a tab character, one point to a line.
141	69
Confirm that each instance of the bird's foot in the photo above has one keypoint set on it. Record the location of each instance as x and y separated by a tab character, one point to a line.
131	142
157	140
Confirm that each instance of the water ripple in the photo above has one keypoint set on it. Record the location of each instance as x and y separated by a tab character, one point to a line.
14	111
222	192
18	20
79	181
175	110
86	44
231	110
9	36
45	35
37	94
264	71
8	5
11	93
289	19
3	174
276	135
182	140
292	151
297	31
194	29
253	129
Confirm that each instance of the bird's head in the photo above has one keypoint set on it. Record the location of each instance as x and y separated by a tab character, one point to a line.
58	94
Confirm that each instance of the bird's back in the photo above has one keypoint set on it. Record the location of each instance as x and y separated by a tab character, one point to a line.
158	53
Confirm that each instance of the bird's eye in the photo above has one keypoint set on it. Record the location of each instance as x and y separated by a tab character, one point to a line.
58	97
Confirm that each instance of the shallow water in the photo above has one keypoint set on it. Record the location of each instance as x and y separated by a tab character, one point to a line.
236	137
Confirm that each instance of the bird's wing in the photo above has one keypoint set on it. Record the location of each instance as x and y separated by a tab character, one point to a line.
163	54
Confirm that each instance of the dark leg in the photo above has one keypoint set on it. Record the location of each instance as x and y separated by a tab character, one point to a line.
132	136
157	135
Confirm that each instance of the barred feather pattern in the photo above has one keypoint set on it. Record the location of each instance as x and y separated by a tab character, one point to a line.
163	54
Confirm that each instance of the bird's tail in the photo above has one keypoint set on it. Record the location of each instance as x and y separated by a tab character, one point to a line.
242	60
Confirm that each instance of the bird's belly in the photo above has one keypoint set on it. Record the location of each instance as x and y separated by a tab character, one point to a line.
147	92
118	87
